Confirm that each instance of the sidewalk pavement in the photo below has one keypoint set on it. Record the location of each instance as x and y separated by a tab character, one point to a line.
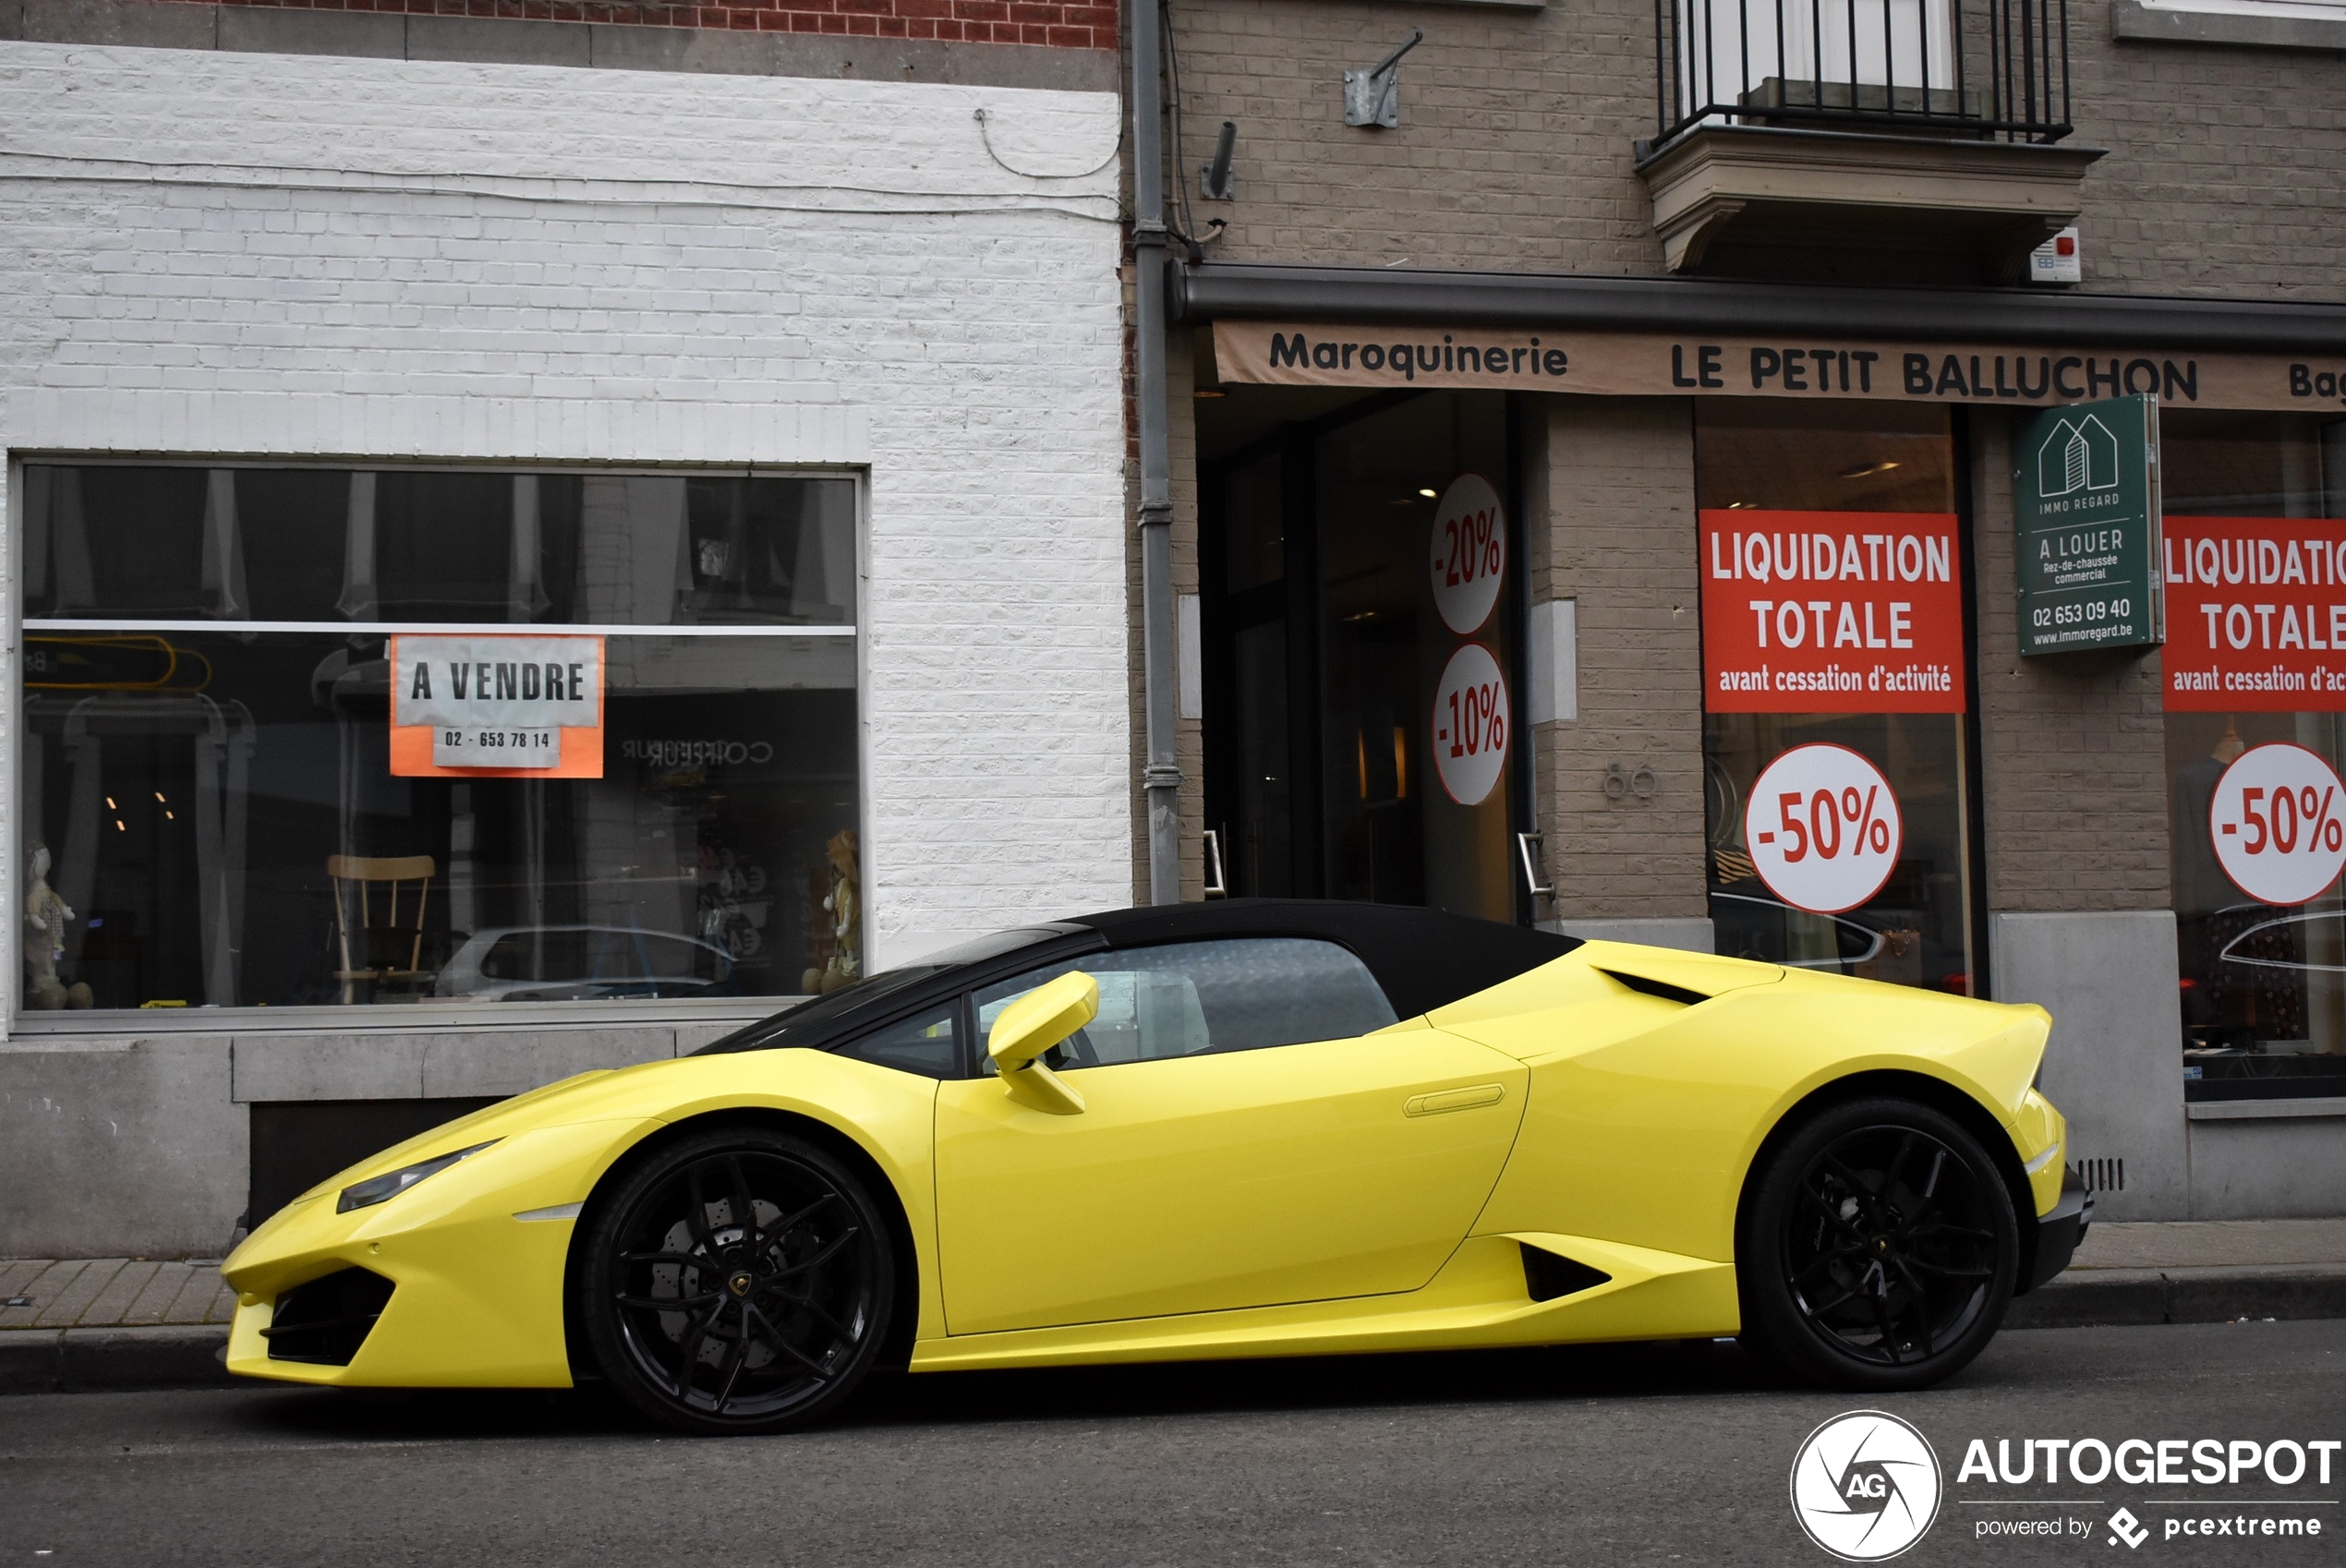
111	1322
2194	1271
131	1323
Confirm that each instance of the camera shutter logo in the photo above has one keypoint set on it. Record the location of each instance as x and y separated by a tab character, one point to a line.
1865	1486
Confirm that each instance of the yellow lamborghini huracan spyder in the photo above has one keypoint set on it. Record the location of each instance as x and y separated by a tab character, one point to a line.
1239	1129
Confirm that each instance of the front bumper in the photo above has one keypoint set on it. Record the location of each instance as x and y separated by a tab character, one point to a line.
474	1257
2059	1230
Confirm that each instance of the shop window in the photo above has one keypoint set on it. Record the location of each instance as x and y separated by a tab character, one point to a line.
1834	744
2255	677
217	813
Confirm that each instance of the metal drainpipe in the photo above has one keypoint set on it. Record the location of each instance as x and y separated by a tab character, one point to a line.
1161	781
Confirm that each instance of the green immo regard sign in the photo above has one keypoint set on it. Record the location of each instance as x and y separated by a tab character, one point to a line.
2086	502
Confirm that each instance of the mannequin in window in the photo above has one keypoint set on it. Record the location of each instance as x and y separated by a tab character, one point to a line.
45	918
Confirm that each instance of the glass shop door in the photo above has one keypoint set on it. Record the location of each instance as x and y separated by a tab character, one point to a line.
1360	579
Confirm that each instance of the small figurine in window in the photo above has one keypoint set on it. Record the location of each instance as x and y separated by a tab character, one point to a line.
844	906
45	918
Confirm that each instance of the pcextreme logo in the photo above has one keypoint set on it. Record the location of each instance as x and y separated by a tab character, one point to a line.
1865	1486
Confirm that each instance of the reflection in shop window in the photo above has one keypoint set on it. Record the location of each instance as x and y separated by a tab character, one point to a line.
1833	615
2259	501
212	818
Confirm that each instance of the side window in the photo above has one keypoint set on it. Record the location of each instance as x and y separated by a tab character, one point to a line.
1187	998
922	1044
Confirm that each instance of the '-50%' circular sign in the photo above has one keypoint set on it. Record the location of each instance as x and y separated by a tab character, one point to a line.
1823	828
2274	819
1470	724
1470	552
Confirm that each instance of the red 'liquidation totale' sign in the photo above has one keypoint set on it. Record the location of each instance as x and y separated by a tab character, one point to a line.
2255	614
1830	613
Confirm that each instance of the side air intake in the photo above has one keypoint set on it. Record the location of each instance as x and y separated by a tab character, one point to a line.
1547	1276
325	1322
1661	988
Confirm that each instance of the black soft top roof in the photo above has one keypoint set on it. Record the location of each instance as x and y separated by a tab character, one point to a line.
1424	958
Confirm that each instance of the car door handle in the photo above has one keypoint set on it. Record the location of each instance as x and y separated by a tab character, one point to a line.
1454	1100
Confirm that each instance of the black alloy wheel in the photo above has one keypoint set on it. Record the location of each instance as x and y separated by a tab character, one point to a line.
740	1281
1880	1251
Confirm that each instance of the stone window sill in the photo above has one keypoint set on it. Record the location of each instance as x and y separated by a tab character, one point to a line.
2260	24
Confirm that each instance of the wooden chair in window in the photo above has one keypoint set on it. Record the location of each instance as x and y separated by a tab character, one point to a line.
390	954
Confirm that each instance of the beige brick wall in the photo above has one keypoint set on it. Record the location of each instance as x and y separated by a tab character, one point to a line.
1514	149
1619	538
2224	172
2072	747
1513	153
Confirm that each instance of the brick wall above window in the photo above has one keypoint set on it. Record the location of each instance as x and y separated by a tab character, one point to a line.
1043	23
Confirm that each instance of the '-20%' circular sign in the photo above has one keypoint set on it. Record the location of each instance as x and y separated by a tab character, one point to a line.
2274	818
1471	725
1823	828
1469	553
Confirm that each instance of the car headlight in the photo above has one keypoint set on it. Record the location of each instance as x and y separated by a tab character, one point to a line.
376	1189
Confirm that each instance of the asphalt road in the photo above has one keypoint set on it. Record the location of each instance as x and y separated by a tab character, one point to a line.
1653	1454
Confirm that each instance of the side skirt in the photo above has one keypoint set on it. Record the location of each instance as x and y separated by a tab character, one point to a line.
1480	1300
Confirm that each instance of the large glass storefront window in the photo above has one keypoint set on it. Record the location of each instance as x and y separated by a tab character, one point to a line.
2255	556
1360	619
1835	690
216	811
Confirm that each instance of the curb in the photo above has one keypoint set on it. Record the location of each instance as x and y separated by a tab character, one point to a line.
2131	1298
82	1360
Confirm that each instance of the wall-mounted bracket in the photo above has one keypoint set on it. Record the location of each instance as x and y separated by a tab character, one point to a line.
1372	97
1213	180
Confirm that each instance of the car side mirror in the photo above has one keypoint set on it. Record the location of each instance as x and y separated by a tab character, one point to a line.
1031	1025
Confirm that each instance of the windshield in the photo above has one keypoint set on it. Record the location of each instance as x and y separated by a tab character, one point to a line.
816	1015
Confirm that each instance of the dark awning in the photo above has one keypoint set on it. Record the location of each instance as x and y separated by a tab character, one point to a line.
1235	290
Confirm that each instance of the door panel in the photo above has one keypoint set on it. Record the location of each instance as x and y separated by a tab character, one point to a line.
1242	1178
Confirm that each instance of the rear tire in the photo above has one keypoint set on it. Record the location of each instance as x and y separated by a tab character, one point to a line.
738	1281
1879	1249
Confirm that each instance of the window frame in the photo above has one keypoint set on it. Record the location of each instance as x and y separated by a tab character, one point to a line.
15	1019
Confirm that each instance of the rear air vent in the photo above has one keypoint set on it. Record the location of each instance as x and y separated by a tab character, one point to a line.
1547	1275
325	1322
1661	988
2103	1176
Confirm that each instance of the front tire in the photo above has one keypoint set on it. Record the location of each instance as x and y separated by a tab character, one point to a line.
738	1281
1879	1250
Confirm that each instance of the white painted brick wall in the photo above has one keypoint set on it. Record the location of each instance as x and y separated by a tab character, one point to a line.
215	254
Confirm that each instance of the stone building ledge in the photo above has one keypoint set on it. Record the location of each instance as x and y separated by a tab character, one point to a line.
1767	185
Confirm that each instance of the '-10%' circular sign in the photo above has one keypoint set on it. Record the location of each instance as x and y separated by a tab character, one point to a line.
1471	725
1470	552
1823	828
2274	818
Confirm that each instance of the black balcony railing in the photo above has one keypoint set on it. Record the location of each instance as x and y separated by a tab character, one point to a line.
1959	68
